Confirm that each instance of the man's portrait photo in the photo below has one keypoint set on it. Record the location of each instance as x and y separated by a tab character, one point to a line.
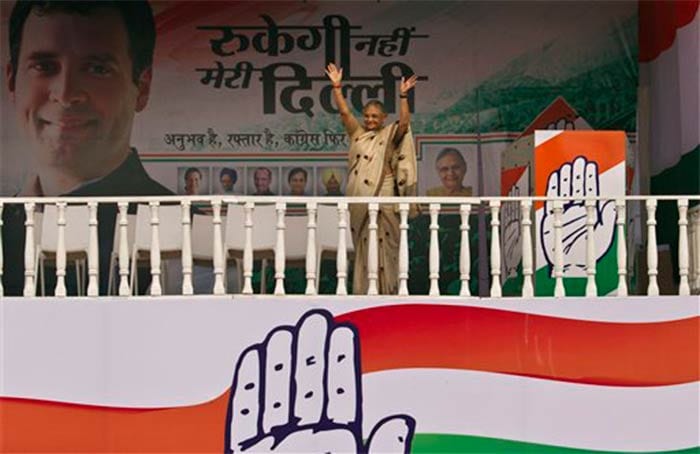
77	75
262	180
331	181
297	181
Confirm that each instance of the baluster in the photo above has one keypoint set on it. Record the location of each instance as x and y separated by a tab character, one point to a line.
526	238
218	246
558	208
373	253
695	248
93	252
684	288
652	253
621	248
311	249
2	289
280	254
342	254
691	250
434	262
591	288
124	289
495	249
60	290
186	247
156	289
248	250
464	252
403	249
29	282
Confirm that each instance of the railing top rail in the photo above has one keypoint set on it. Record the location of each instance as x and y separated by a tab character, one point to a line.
329	200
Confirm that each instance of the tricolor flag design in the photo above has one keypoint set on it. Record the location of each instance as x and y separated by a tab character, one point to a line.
491	376
577	164
669	104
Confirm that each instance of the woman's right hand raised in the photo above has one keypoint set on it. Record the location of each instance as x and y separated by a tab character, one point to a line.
334	73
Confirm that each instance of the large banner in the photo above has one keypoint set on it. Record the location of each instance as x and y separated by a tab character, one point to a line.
325	375
240	86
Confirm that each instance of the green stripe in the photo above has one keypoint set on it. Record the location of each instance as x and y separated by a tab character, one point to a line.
433	443
683	178
605	278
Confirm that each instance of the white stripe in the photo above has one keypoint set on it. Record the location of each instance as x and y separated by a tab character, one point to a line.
537	411
182	351
675	98
542	136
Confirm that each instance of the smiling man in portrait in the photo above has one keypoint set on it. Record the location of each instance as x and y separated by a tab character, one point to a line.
78	74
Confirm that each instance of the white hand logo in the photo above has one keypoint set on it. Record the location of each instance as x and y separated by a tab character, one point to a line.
579	179
301	391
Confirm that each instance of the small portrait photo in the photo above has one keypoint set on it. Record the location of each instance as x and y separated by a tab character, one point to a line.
298	181
193	180
330	181
228	180
263	180
448	170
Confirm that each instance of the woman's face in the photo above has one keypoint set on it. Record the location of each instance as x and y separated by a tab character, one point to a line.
297	183
373	117
451	171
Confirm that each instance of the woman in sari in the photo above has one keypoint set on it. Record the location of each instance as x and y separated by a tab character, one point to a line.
381	162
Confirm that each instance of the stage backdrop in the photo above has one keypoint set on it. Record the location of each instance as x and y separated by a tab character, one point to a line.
241	85
205	374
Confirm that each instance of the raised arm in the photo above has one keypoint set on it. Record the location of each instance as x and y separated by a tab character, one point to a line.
335	74
404	112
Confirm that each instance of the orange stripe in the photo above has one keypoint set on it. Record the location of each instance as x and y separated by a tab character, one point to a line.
607	148
37	426
458	337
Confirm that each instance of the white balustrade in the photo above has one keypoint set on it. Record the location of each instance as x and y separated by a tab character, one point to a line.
591	288
688	244
495	206
620	209
373	253
434	252
60	290
342	254
218	249
683	288
93	288
526	243
558	208
186	255
156	289
311	211
279	249
403	249
652	253
464	253
29	278
248	250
